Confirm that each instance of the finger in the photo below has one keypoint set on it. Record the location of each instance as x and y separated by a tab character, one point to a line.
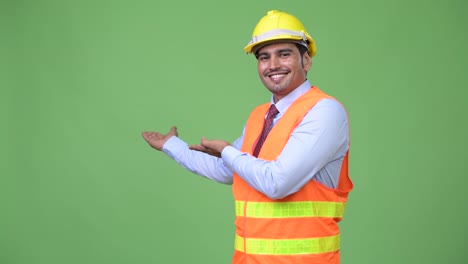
150	136
146	135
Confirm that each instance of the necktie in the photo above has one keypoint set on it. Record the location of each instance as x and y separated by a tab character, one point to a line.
272	112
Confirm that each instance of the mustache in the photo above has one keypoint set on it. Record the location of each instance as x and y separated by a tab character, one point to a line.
276	71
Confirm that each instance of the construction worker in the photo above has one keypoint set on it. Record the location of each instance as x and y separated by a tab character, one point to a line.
289	168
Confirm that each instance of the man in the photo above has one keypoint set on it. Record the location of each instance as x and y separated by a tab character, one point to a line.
290	183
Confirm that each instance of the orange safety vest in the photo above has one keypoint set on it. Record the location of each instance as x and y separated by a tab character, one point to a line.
299	228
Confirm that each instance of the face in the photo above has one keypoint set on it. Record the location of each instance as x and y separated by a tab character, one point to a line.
281	68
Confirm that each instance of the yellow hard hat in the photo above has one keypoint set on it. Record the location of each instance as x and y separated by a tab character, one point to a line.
277	25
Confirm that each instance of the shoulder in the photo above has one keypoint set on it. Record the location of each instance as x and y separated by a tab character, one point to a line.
329	104
328	109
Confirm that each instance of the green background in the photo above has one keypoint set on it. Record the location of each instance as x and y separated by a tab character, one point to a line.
80	80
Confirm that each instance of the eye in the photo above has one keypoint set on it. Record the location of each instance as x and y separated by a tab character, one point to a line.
263	57
284	54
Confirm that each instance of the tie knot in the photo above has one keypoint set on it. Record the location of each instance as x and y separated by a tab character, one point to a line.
272	111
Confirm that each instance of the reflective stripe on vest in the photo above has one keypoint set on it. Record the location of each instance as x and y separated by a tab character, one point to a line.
287	246
290	209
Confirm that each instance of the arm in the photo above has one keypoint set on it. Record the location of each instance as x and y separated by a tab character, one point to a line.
194	161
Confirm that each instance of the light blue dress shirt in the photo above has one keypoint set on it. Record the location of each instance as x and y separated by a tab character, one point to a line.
315	151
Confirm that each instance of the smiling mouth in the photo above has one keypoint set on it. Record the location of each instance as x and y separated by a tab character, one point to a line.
277	77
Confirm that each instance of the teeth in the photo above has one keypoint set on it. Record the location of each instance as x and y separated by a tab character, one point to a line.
277	76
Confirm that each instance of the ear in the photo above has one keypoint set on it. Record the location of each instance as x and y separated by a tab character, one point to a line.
307	61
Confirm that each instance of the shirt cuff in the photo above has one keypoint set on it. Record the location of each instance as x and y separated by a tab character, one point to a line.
173	146
229	154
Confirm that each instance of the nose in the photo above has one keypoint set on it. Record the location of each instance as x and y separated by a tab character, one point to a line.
274	62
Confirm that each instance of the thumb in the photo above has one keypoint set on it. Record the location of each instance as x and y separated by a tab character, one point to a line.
173	131
205	142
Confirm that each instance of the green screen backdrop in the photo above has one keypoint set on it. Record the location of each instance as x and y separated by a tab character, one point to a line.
80	80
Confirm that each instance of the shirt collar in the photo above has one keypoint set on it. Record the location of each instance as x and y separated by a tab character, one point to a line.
285	102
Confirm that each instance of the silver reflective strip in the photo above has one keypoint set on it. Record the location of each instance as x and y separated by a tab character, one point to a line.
276	32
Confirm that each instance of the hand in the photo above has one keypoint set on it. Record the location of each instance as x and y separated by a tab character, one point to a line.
157	140
212	147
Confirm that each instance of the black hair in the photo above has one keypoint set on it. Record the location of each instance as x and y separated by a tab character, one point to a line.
302	49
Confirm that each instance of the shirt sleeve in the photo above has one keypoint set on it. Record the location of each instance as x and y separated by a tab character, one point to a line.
315	150
198	162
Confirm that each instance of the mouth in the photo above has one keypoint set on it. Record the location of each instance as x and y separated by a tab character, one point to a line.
277	76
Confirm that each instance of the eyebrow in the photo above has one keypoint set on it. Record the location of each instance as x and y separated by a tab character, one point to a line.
276	51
